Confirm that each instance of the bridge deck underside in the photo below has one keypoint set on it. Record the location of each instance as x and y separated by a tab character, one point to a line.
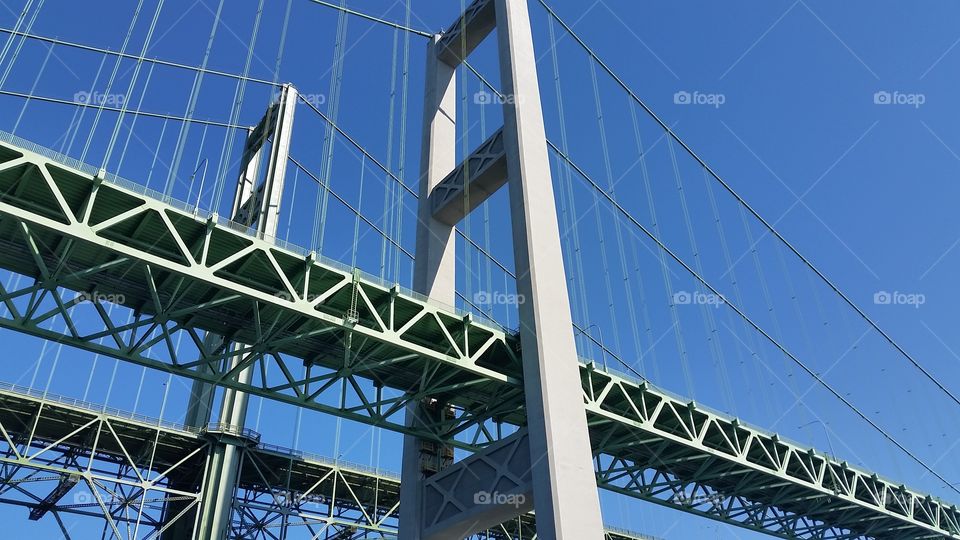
156	448
310	325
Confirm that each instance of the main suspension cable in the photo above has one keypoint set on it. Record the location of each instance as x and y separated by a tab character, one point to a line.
750	209
663	247
372	18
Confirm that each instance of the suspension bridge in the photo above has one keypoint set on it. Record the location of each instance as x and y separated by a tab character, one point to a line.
225	290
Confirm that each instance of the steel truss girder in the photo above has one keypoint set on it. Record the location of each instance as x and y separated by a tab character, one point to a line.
121	471
280	493
130	463
658	448
180	275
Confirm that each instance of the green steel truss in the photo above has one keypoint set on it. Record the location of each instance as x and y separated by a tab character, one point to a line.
62	456
73	237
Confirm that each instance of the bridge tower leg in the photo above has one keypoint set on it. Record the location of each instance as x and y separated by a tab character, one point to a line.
554	448
255	205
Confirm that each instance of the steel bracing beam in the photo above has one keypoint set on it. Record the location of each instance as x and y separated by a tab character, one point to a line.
69	241
468	31
483	172
125	464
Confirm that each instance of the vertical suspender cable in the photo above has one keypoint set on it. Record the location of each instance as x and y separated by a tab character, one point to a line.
156	152
330	134
133	121
33	88
388	195
664	269
226	152
16	53
192	104
763	394
576	279
488	284
465	152
83	110
16	28
710	324
133	83
402	163
108	91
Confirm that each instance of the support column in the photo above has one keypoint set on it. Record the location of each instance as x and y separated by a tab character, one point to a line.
434	265
564	484
255	205
554	465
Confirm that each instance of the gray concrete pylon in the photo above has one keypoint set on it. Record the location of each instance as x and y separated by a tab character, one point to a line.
566	500
435	255
562	476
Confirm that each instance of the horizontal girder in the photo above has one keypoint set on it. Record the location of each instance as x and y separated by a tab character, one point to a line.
483	173
278	489
463	36
170	272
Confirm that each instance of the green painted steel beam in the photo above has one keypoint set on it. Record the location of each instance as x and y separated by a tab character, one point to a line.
82	241
273	481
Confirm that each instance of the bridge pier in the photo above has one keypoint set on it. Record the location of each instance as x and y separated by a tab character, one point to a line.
550	460
256	204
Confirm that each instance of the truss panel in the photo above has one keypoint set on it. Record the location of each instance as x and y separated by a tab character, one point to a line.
81	243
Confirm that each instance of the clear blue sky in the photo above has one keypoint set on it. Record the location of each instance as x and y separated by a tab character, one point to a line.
835	120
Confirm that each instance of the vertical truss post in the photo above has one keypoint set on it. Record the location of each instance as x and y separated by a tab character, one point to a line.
255	205
550	460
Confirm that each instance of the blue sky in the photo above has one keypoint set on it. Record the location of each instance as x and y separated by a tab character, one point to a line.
833	120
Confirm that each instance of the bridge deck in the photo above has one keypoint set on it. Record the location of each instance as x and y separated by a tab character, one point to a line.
47	419
176	271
